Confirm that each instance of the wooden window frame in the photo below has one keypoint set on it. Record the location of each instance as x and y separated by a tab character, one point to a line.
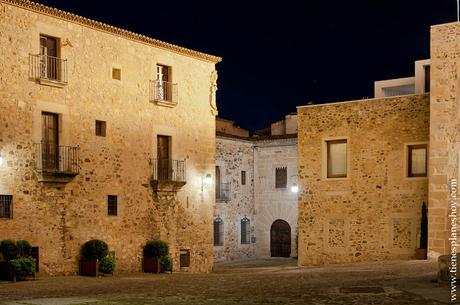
6	205
280	181
328	158
243	177
410	148
112	205
101	128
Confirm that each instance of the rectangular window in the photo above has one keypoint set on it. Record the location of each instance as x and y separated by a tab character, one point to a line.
101	127
112	205
184	258
6	206
245	230
427	78
337	158
243	177
281	177
417	160
116	73
218	232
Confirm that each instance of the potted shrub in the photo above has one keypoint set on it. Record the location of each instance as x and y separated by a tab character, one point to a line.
421	252
17	262
9	251
154	250
107	265
92	252
166	264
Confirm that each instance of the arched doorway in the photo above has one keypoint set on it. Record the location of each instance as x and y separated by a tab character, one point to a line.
280	239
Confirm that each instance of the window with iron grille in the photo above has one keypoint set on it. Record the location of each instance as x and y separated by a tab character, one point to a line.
6	206
112	205
101	127
245	231
281	177
218	232
243	177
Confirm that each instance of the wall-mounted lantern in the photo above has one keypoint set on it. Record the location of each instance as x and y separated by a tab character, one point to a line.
206	180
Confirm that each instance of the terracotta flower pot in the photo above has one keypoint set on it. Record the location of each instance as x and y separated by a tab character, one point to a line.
151	265
89	268
420	253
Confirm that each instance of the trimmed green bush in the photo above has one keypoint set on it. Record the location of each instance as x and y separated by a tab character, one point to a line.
107	264
94	249
24	248
9	249
165	263
156	249
22	267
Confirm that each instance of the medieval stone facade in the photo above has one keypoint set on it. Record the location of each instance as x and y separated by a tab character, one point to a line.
373	212
246	176
89	115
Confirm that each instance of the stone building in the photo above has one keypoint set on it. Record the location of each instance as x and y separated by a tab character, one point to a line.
256	210
366	167
104	134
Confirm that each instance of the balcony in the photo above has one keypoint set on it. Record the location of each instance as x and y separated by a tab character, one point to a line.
54	163
163	93
223	192
168	175
48	70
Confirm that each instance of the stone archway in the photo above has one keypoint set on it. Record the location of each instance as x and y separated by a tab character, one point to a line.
280	239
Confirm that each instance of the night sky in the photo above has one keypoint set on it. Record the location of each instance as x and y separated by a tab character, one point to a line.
280	54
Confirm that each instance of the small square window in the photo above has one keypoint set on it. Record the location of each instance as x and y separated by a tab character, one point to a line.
6	206
243	177
417	160
112	205
337	158
116	73
101	127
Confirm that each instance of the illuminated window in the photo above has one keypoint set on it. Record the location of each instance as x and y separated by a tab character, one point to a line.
336	158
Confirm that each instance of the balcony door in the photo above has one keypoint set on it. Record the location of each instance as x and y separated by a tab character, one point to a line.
163	79
164	160
50	140
49	65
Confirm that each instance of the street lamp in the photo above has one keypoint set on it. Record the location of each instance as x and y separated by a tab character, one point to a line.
295	188
206	180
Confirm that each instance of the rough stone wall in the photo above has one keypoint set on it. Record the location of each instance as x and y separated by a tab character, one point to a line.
233	156
375	213
444	136
59	218
274	203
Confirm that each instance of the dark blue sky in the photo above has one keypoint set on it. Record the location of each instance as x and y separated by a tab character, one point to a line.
280	54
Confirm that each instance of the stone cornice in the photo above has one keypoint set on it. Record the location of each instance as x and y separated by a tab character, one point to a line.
70	17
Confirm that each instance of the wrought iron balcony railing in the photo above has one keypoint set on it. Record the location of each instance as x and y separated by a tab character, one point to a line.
49	68
167	170
163	92
53	159
223	192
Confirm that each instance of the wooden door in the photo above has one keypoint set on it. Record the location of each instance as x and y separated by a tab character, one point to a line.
218	182
49	63
50	140
164	161
280	239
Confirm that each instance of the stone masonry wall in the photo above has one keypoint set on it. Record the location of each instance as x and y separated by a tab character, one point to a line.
274	203
444	135
234	156
59	218
375	213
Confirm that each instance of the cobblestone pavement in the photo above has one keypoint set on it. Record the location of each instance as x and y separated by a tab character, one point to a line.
270	281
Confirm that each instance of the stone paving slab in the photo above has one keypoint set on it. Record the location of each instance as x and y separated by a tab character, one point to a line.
52	301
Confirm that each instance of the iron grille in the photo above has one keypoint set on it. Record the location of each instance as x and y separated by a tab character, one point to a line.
6	206
161	91
48	67
169	170
223	192
51	158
